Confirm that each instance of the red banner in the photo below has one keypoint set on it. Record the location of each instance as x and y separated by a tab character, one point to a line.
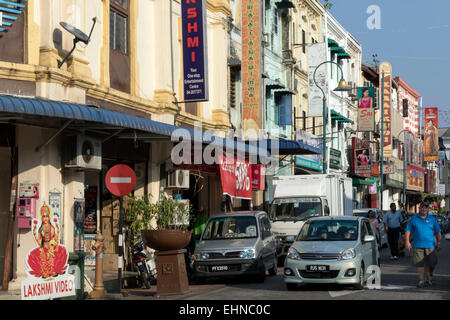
258	177
236	177
431	148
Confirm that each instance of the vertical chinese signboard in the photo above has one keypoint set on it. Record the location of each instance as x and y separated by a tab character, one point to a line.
251	66
195	61
317	54
366	109
386	117
431	148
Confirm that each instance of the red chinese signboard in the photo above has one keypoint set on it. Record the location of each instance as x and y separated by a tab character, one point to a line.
431	136
236	177
251	65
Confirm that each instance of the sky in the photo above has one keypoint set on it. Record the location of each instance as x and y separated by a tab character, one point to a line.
414	37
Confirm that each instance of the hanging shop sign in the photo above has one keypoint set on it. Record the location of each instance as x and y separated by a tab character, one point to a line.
386	117
258	177
362	157
366	109
317	54
431	139
251	67
195	59
335	159
415	178
47	267
430	181
236	177
313	161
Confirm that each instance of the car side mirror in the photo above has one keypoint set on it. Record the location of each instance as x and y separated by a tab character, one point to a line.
369	238
290	238
326	210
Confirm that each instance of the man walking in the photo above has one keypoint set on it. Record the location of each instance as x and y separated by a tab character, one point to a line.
424	228
392	222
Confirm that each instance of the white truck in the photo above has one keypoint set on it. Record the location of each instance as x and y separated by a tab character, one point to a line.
297	198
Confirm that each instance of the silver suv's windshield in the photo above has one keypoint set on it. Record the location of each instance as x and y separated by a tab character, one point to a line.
237	227
329	230
296	209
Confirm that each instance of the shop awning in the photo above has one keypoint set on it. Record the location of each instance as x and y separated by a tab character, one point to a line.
339	117
284	91
288	147
337	49
332	43
274	84
343	55
11	107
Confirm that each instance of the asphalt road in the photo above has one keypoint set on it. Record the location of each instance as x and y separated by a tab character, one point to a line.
398	282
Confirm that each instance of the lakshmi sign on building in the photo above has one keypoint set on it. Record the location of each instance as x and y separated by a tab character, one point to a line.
47	263
251	67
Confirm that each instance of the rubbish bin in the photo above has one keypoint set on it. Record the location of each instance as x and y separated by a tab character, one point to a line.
76	268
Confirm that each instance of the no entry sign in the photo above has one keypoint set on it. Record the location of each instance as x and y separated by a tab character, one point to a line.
120	180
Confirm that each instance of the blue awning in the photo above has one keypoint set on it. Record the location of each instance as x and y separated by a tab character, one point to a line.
288	147
71	111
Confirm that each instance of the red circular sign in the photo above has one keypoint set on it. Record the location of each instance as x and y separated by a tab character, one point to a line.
120	180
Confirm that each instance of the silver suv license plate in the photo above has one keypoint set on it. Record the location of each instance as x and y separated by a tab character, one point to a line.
219	268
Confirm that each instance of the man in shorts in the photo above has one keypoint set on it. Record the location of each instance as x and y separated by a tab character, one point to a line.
424	228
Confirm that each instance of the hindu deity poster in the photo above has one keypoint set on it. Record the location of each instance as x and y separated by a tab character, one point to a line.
47	263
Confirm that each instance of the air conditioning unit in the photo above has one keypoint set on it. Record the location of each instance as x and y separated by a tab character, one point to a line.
83	152
178	179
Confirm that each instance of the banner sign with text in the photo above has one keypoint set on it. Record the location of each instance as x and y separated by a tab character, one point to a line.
313	161
366	109
251	67
236	177
415	178
386	117
258	177
431	137
47	263
362	157
195	59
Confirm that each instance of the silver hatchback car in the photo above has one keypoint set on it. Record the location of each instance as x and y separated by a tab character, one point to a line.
332	250
238	243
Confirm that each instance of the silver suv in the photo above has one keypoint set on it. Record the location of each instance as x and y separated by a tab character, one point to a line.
238	243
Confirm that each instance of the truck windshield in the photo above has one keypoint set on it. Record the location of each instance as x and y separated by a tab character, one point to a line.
296	209
242	227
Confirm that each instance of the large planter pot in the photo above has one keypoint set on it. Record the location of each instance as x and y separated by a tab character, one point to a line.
165	240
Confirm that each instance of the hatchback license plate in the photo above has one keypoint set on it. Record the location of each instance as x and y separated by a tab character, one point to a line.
316	268
219	268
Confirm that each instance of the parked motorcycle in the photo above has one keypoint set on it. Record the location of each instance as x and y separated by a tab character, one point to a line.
146	266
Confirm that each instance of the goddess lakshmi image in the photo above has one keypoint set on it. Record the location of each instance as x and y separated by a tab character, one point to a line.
49	259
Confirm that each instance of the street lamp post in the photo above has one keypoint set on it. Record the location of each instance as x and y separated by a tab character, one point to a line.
341	88
404	164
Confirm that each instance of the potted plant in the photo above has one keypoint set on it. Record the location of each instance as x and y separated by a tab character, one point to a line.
172	220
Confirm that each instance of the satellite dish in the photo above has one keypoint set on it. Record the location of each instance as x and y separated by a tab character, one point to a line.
79	35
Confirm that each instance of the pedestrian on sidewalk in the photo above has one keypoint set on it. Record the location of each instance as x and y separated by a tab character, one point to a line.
392	223
375	225
425	229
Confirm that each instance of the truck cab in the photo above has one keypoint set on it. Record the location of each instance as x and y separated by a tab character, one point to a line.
298	198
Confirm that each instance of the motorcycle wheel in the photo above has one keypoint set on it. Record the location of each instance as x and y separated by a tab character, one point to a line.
145	280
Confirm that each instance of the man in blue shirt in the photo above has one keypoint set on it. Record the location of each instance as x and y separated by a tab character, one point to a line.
424	228
392	223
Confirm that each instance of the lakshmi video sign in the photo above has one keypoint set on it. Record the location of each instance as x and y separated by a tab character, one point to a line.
415	178
47	266
251	67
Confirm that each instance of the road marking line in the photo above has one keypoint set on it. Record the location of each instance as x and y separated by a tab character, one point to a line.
335	294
